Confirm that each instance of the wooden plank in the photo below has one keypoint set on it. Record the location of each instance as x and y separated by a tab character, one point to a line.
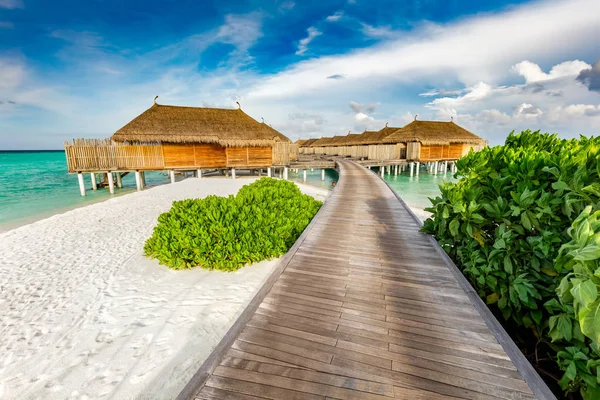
366	308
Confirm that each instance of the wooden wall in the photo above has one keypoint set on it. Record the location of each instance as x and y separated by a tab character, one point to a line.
117	157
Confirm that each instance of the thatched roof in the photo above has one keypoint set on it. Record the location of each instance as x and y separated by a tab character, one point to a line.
309	142
175	124
300	142
433	133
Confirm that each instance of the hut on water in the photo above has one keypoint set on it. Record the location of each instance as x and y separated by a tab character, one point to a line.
166	137
435	140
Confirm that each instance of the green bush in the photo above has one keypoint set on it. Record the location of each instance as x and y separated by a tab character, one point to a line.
522	224
261	222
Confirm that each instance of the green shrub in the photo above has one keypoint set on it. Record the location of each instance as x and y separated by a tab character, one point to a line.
522	226
261	222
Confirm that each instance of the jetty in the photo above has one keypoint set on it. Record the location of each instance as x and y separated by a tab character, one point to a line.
365	306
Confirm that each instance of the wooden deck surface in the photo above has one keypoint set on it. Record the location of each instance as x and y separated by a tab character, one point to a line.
366	308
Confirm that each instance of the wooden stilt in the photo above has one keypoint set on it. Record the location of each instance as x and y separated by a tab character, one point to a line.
396	170
323	174
435	168
93	178
111	183
119	181
412	165
199	173
269	172
304	175
138	180
285	173
382	171
417	167
172	175
233	173
81	184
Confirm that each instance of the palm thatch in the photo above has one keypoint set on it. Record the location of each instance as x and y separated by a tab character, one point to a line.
433	133
309	142
176	124
300	142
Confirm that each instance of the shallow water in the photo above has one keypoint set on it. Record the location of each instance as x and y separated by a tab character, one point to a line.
35	184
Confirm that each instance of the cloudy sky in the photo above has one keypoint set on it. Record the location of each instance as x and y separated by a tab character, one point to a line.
85	68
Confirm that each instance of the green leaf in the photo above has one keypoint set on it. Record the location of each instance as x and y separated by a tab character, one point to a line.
454	225
584	292
560	185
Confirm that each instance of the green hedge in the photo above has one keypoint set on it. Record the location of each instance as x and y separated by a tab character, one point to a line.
523	225
261	222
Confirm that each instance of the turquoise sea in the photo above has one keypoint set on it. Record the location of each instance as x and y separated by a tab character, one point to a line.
35	184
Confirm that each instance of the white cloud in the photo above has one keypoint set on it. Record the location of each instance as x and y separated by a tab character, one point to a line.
493	116
242	31
12	73
533	73
379	32
526	110
362	117
287	5
11	4
474	94
359	108
336	16
453	51
303	45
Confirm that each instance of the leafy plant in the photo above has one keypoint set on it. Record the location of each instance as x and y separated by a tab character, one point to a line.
261	222
521	225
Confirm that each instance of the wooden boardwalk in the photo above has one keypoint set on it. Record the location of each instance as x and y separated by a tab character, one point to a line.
366	307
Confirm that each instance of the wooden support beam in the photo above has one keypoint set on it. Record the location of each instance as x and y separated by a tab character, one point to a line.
417	167
111	183
285	173
412	165
138	180
199	173
119	181
323	174
81	184
435	168
172	175
269	172
93	178
233	173
304	175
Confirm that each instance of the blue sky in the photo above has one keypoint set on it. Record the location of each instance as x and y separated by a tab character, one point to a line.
83	69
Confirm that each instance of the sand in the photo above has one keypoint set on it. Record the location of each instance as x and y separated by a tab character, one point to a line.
84	315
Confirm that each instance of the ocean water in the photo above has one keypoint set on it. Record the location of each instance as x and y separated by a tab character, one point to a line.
35	184
415	191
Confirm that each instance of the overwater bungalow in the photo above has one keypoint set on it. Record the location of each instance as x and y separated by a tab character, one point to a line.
176	138
427	141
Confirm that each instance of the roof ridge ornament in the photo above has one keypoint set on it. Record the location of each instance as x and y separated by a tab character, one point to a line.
239	106
263	120
416	115
386	124
451	118
155	97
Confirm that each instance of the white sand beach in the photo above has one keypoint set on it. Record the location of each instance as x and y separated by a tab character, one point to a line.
84	315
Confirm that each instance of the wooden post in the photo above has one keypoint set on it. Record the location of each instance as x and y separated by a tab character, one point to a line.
323	174
285	173
81	184
93	178
199	173
304	175
138	180
412	165
269	172
172	175
417	165
435	168
111	183
396	170
119	180
382	171
233	173
143	174
259	172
